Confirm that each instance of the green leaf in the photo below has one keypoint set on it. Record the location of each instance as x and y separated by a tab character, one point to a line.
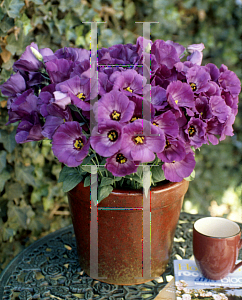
7	233
4	176
129	10
70	178
104	192
8	140
191	177
3	160
13	7
106	181
87	181
19	215
24	174
157	174
14	190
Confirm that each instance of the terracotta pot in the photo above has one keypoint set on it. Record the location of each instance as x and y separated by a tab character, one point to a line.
120	231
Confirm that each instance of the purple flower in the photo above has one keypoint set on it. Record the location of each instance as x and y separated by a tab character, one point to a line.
13	87
73	91
23	106
106	137
227	127
28	61
213	71
230	83
198	78
165	53
59	69
29	129
138	147
69	144
214	128
114	106
128	81
219	108
196	132
203	107
174	150
119	165
179	94
158	97
56	117
177	170
167	122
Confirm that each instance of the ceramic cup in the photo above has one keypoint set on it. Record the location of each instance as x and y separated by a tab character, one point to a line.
216	244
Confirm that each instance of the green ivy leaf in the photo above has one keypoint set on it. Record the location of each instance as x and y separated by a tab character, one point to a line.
129	10
4	176
8	140
3	160
104	191
7	233
25	174
13	7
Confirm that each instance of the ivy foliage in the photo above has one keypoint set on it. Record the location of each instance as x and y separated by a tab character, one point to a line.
32	202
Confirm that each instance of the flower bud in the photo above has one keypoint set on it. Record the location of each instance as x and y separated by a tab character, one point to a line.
37	54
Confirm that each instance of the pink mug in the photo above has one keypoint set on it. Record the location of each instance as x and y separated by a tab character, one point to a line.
216	244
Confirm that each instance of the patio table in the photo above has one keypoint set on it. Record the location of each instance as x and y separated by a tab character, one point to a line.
49	269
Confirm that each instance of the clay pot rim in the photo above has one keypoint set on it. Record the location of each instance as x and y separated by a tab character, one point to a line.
168	186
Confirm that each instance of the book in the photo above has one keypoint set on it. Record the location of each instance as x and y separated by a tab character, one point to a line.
191	285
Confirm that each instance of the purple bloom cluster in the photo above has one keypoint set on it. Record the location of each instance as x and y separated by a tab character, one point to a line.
53	96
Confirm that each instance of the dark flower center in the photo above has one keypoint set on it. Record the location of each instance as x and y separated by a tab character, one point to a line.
193	86
113	135
78	144
154	123
120	158
139	140
81	96
115	115
191	130
128	89
167	144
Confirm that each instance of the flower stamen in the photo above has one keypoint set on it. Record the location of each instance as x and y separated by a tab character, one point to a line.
78	144
115	115
128	89
139	140
120	158
191	130
193	86
112	135
81	96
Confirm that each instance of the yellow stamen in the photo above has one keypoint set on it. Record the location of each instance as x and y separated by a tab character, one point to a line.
115	115
78	144
120	158
128	89
139	139
112	135
193	86
81	96
176	101
191	130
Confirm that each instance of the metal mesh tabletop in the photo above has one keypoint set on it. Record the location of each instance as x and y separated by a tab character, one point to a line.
49	269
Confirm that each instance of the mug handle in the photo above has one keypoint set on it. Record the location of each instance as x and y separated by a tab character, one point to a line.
239	264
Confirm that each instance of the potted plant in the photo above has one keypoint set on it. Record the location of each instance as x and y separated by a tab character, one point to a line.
131	137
